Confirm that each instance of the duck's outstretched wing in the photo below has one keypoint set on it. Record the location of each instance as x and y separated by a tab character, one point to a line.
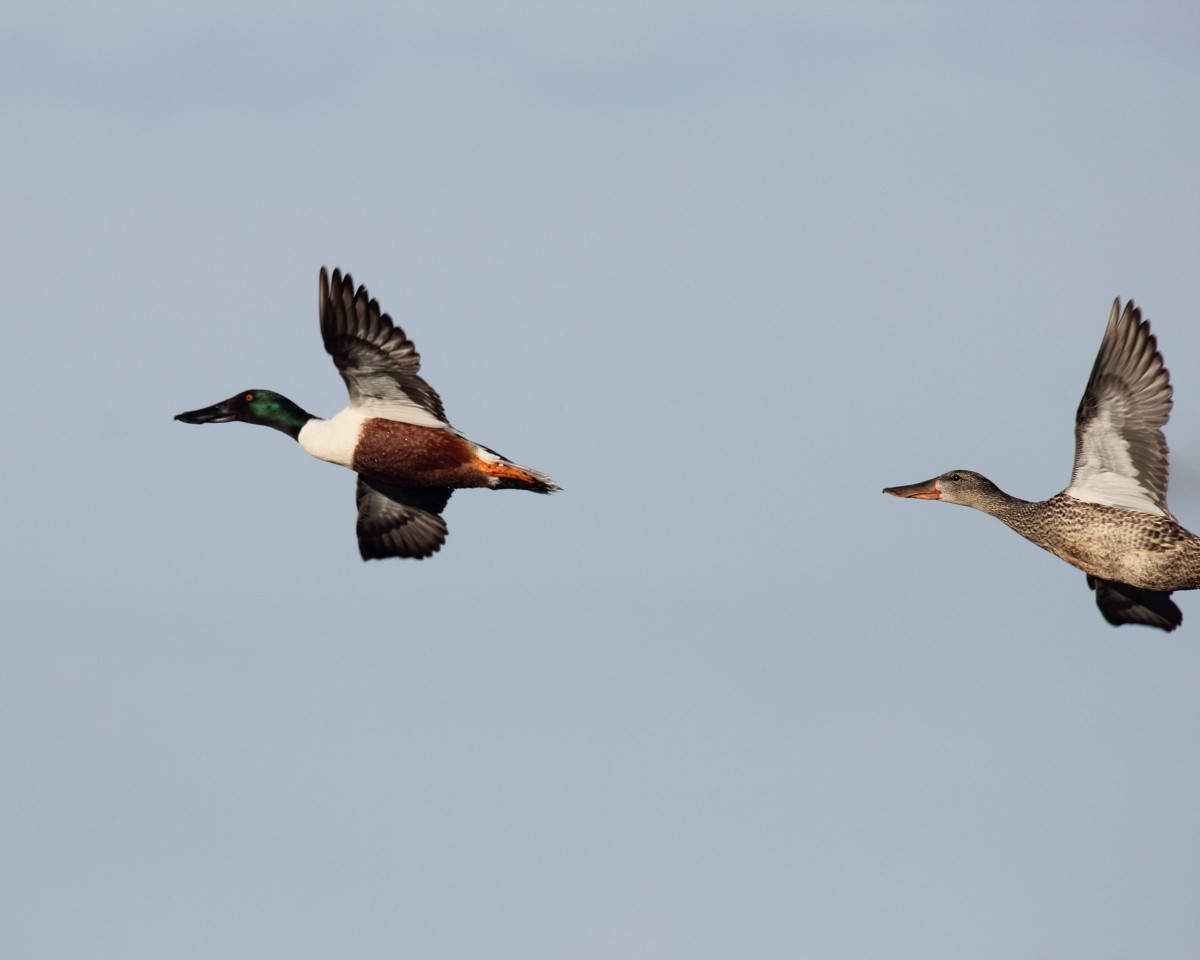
378	362
400	521
1120	451
1120	603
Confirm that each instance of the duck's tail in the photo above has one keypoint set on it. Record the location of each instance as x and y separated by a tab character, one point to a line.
503	474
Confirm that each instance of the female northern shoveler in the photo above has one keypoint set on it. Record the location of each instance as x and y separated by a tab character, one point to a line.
1112	522
394	434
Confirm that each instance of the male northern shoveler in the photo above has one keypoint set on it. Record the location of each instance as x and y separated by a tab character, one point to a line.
394	434
1112	522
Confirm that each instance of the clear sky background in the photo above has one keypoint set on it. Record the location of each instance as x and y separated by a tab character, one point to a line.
723	271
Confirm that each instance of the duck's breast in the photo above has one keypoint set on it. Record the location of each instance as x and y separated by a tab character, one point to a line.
334	440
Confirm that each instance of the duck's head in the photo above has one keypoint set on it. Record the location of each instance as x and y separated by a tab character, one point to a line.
263	407
967	487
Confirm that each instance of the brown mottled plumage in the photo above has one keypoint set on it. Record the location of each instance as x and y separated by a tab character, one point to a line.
1112	522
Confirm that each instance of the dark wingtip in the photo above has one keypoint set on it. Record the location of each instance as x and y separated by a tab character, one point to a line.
1120	604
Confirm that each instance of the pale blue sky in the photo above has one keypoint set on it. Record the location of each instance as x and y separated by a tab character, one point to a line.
723	271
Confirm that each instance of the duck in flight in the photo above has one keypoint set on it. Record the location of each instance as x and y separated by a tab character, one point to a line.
394	434
1112	522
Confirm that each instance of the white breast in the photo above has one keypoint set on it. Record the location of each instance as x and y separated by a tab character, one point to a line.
334	440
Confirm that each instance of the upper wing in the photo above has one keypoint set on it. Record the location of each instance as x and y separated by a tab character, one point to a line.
399	521
1120	451
374	357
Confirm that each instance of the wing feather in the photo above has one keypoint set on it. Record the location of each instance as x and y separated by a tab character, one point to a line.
400	521
1121	455
378	362
1120	603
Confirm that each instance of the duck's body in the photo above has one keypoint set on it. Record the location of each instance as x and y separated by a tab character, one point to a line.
394	434
408	454
1144	551
1112	522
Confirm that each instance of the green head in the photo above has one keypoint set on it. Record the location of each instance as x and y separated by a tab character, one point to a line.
264	407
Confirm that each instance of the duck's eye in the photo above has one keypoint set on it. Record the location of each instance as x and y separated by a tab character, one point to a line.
955	477
249	398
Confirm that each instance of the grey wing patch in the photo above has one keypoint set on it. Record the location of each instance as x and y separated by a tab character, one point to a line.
1120	603
400	521
378	362
1120	452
